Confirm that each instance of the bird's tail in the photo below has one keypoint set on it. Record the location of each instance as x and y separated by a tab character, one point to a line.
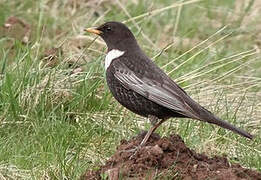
210	118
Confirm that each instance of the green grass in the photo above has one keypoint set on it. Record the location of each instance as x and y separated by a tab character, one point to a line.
55	124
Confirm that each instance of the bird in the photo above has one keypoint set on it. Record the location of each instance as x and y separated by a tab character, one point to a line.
139	85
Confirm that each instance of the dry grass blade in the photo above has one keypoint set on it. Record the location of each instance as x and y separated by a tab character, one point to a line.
196	73
101	17
8	171
157	11
136	24
199	52
222	76
228	73
172	61
243	145
177	21
163	50
237	87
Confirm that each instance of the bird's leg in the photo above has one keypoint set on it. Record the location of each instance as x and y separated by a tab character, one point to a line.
155	124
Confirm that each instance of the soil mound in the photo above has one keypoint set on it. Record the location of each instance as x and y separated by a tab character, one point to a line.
166	158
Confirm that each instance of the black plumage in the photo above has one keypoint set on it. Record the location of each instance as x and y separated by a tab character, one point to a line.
142	87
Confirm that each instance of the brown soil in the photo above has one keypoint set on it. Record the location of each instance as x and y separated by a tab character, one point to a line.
167	158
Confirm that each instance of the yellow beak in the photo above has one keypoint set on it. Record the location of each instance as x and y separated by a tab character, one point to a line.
92	30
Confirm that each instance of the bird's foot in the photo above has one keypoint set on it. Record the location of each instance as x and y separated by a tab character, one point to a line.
133	151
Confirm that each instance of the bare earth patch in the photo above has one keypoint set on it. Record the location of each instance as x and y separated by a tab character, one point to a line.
166	157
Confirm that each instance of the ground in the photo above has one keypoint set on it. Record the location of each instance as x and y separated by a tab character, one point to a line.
167	158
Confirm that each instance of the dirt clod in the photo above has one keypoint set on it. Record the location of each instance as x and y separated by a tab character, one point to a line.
166	158
17	28
50	56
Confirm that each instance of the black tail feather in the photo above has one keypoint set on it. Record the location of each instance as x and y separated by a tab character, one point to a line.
210	118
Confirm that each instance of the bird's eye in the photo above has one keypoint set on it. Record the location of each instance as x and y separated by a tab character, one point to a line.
108	28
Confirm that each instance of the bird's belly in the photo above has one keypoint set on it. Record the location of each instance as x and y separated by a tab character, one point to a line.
134	101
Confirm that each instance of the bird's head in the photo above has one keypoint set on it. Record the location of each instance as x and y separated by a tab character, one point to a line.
115	34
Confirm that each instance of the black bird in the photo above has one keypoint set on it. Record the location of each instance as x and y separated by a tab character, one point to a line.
142	87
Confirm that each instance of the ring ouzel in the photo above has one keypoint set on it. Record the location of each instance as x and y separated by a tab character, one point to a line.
142	87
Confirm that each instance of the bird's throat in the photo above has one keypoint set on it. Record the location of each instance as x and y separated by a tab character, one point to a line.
111	55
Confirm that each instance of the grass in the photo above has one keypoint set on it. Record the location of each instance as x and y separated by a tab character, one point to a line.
55	123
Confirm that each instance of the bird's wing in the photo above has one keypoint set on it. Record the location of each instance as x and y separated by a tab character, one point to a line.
166	93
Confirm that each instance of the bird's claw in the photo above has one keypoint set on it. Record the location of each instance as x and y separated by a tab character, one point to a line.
133	150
